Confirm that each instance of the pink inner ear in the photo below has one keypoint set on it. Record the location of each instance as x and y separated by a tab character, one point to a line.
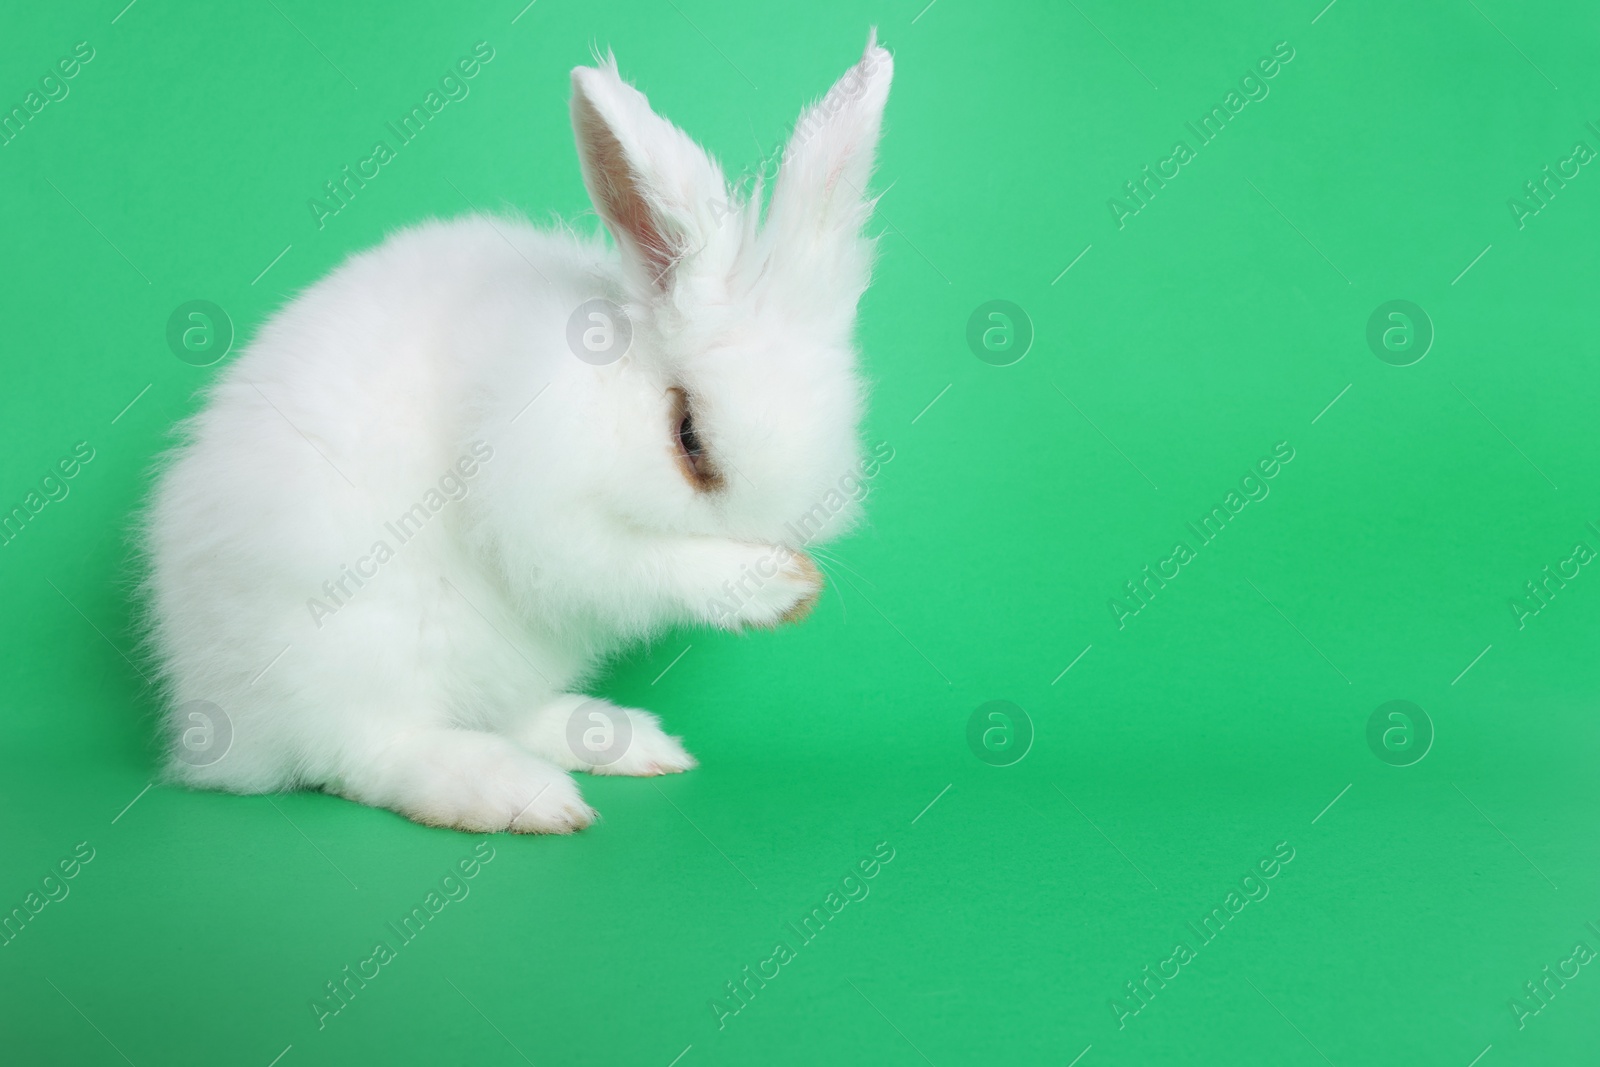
621	200
837	170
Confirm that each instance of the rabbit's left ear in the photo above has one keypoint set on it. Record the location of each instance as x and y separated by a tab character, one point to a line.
654	187
822	183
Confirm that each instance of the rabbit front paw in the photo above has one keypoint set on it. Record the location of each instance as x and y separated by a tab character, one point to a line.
580	733
774	585
467	780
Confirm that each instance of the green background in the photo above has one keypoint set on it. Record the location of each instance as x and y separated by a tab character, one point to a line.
1175	753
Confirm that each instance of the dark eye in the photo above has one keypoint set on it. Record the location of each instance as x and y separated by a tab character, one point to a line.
690	452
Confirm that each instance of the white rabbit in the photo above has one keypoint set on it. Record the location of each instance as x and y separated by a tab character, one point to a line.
410	521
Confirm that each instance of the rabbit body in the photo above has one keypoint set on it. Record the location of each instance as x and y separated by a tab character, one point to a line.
415	515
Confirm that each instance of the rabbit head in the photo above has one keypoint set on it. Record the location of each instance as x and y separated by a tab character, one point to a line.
742	368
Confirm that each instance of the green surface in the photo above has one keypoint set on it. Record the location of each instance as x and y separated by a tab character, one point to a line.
1220	320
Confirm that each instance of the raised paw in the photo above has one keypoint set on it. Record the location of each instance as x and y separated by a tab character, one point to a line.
777	585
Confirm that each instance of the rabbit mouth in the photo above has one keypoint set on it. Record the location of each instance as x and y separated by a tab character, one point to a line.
694	462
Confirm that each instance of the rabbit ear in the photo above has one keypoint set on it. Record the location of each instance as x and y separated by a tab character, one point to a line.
823	180
651	183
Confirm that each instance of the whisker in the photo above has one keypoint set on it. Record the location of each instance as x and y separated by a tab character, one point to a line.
834	559
844	608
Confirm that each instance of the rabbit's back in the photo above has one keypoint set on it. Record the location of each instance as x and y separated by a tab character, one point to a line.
352	402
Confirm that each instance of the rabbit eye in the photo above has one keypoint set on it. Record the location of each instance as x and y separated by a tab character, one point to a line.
693	461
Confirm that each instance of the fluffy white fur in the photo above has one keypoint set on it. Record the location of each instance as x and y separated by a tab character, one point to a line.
441	685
